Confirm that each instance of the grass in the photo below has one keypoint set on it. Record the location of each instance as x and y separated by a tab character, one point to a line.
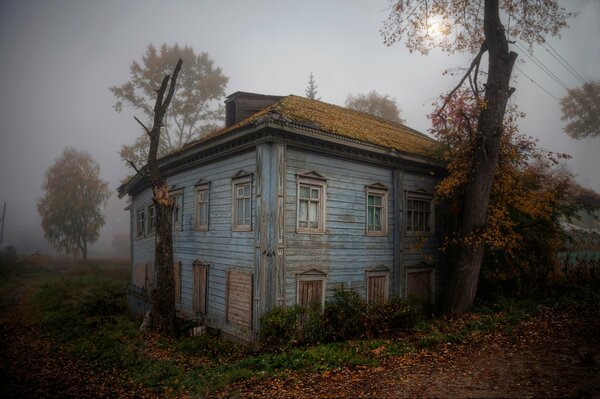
82	308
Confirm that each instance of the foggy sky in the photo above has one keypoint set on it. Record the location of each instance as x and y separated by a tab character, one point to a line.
60	57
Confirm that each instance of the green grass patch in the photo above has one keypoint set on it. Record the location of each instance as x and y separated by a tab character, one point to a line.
82	307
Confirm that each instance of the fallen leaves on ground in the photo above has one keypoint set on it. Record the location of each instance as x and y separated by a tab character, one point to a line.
555	354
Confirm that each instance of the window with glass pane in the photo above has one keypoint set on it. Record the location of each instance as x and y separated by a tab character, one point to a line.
141	223
242	206
418	215
177	211
309	207
377	224
202	208
375	212
151	219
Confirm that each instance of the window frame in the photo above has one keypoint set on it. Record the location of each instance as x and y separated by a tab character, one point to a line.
235	183
197	225
200	302
151	220
383	193
140	232
177	275
177	224
321	185
420	197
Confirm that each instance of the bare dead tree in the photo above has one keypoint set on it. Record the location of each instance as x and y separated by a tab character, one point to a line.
163	318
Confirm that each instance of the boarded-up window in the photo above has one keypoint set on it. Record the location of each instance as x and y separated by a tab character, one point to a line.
377	287
139	275
419	285
177	275
150	278
200	287
310	292
239	298
311	288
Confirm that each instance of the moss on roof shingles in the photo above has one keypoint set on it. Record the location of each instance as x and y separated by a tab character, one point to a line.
344	122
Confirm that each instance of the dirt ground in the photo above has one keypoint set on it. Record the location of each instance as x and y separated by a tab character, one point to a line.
555	354
31	366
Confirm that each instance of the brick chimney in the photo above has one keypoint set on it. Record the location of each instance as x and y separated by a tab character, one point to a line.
240	105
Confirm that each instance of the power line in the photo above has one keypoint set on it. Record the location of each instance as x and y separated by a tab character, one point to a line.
563	62
541	65
537	84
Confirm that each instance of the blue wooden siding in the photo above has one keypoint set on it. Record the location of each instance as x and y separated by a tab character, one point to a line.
344	252
220	247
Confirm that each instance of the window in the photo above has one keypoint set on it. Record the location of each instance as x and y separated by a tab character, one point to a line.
177	275
377	223
311	205
202	208
177	210
150	277
239	298
242	204
151	219
200	287
377	286
141	223
139	275
420	283
419	213
311	289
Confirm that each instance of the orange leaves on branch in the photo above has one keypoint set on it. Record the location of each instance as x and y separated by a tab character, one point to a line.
524	182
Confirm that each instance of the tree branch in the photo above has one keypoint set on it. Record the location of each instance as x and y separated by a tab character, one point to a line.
474	64
130	162
144	126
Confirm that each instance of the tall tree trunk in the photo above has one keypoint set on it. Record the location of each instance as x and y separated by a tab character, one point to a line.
464	278
84	250
163	317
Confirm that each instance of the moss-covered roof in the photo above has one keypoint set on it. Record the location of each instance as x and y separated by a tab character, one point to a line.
303	112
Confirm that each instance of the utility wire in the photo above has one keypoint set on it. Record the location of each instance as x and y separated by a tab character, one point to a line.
537	84
563	62
541	65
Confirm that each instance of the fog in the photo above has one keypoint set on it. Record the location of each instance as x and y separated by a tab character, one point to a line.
60	57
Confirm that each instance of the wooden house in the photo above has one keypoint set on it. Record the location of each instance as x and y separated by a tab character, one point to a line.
293	199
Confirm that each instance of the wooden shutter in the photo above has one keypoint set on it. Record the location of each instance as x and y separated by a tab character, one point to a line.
419	285
239	298
139	275
150	277
177	276
200	288
377	288
310	292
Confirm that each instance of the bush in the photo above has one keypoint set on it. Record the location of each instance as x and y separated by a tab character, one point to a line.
346	316
281	326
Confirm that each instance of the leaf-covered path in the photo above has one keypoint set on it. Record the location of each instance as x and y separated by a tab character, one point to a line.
555	354
32	366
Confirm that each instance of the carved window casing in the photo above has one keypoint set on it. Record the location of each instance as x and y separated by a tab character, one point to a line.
242	203
177	210
202	207
311	203
377	210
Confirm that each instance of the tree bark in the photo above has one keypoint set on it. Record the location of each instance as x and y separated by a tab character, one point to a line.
462	286
163	315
